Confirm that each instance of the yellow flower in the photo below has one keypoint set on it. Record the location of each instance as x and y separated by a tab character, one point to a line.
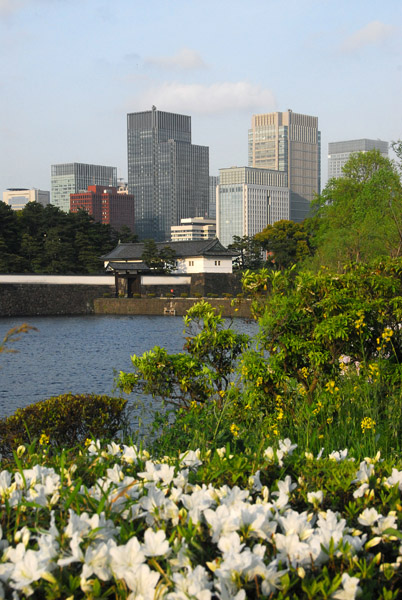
304	372
368	423
331	387
329	420
87	442
44	439
234	429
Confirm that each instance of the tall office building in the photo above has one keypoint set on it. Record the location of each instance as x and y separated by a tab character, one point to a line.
213	183
71	178
248	200
18	198
340	152
289	142
167	174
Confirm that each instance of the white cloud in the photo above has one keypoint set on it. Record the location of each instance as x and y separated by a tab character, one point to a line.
372	34
186	59
209	99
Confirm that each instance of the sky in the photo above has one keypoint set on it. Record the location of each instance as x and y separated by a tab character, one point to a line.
71	70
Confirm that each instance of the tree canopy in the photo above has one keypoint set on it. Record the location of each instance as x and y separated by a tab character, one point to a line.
41	239
285	243
358	217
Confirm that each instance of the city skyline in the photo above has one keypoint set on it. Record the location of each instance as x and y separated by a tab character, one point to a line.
73	70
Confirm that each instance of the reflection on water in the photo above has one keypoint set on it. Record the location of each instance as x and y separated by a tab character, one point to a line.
81	355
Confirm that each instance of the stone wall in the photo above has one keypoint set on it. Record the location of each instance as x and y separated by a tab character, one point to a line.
27	300
161	306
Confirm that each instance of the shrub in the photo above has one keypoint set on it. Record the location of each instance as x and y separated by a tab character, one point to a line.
151	295
184	295
136	295
65	420
197	295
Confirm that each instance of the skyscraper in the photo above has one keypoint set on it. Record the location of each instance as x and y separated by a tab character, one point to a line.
340	152
290	142
71	178
248	200
167	174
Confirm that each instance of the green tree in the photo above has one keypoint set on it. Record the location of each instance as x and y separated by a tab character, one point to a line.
161	261
249	253
309	321
286	243
358	216
200	374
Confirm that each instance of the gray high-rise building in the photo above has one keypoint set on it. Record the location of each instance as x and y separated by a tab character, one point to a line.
290	142
71	178
213	182
167	174
248	200
340	152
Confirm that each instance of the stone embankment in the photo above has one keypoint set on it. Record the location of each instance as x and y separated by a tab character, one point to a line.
33	295
167	306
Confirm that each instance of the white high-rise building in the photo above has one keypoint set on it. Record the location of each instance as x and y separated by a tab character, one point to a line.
340	152
248	200
18	198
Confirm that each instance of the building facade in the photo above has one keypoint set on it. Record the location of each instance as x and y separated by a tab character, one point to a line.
71	178
18	198
191	229
105	205
248	200
167	174
289	142
340	152
213	184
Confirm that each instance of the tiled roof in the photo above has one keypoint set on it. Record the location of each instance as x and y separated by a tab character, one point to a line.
182	250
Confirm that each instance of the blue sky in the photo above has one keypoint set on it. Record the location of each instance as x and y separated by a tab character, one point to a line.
71	70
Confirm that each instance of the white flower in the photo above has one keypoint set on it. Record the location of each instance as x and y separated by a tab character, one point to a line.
286	446
338	456
142	583
96	561
350	588
368	517
130	454
315	498
191	458
155	543
394	479
125	558
192	584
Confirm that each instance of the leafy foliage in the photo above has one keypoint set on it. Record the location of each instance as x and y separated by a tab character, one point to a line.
41	239
160	260
200	374
249	253
286	243
358	216
65	420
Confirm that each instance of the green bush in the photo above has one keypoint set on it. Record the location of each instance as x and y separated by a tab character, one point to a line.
136	295
64	420
184	295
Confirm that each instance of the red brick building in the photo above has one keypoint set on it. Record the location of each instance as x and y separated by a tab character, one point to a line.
105	205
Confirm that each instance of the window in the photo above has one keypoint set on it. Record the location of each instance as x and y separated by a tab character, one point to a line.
217	263
191	263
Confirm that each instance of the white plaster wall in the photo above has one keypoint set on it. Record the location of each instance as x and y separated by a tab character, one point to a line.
59	279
